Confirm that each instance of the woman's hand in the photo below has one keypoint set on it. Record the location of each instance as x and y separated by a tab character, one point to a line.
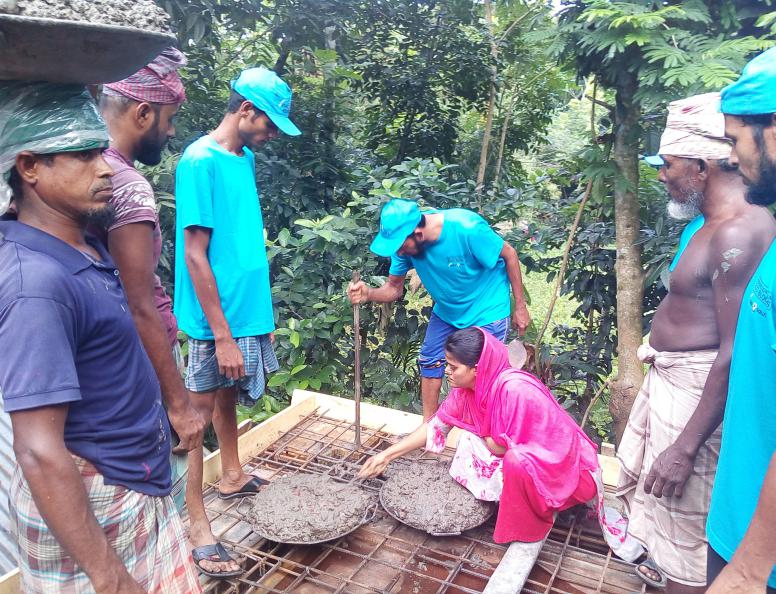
494	447
374	466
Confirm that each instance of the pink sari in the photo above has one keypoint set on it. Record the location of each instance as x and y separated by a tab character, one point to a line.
549	459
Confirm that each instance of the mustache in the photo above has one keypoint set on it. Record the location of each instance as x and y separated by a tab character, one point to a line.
102	187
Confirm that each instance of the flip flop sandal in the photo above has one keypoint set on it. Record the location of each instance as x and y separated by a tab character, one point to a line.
247	490
206	553
650	564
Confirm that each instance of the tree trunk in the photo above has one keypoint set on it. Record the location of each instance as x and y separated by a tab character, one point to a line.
491	106
630	274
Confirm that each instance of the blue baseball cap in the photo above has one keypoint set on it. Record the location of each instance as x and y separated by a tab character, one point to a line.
398	220
269	93
754	93
654	160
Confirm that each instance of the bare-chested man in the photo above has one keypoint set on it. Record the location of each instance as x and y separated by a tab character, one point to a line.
670	448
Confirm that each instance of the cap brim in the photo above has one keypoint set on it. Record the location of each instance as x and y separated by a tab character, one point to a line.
382	246
654	160
285	125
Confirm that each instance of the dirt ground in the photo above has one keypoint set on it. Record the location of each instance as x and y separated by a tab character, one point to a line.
425	496
302	508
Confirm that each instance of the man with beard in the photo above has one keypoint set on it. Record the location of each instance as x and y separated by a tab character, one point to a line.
669	450
139	111
466	268
742	531
222	290
89	498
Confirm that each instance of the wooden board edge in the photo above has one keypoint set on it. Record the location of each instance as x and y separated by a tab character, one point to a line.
11	582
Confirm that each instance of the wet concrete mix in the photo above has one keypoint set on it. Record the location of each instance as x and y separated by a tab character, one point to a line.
308	508
138	14
424	495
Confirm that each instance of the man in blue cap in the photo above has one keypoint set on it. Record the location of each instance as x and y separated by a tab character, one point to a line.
466	268
741	531
222	290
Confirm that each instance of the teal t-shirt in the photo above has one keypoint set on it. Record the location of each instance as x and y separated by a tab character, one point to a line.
687	234
217	190
749	426
462	271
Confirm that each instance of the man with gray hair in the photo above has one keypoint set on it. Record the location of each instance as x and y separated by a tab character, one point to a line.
669	450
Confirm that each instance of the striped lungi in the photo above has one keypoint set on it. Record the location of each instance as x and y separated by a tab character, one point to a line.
146	533
673	529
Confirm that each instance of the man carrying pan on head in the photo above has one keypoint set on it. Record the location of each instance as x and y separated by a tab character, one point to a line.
465	266
669	450
89	499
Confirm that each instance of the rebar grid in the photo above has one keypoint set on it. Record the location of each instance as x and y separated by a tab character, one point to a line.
386	556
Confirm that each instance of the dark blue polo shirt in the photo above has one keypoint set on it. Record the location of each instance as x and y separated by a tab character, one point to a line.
67	337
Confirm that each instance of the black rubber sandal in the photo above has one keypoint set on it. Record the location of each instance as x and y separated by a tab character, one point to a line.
206	553
649	564
249	489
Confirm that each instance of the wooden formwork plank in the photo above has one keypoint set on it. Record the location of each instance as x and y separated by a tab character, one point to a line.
10	583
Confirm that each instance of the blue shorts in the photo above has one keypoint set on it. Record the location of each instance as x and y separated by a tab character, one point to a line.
432	353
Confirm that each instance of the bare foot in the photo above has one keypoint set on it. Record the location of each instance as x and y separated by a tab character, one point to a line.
650	573
232	482
201	535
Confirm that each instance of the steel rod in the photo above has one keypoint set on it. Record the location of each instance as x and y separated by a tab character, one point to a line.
357	363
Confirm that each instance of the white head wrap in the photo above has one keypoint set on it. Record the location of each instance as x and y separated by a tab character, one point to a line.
695	129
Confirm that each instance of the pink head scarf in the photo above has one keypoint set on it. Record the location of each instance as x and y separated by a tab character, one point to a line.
518	411
158	82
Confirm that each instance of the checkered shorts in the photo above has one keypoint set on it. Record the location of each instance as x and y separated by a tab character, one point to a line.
258	354
146	533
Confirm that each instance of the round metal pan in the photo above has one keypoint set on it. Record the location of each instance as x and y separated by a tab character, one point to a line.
465	522
369	515
357	521
40	49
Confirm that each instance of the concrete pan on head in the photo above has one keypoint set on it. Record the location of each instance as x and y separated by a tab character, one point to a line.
41	49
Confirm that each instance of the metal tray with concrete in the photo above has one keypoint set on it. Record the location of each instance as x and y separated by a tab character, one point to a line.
33	48
357	521
464	521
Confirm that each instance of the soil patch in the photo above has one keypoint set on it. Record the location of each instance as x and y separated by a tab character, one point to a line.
308	508
424	495
138	14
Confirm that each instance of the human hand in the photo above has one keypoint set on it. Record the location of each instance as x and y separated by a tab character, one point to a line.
230	359
521	319
120	582
272	338
373	467
189	425
733	579
669	472
494	447
358	292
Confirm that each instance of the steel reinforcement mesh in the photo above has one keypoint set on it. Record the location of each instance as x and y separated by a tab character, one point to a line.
385	556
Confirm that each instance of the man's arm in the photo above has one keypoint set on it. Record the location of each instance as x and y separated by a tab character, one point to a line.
131	247
228	354
733	256
58	491
391	291
755	557
521	319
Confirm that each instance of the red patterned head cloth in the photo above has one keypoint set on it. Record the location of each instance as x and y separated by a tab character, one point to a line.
158	82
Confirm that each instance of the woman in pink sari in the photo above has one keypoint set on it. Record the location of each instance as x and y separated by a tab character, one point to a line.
528	452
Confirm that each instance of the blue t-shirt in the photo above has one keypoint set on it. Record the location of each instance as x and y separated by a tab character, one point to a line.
462	271
749	426
687	234
216	189
67	337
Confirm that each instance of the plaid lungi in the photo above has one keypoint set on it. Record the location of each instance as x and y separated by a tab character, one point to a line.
673	529
146	533
258	355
